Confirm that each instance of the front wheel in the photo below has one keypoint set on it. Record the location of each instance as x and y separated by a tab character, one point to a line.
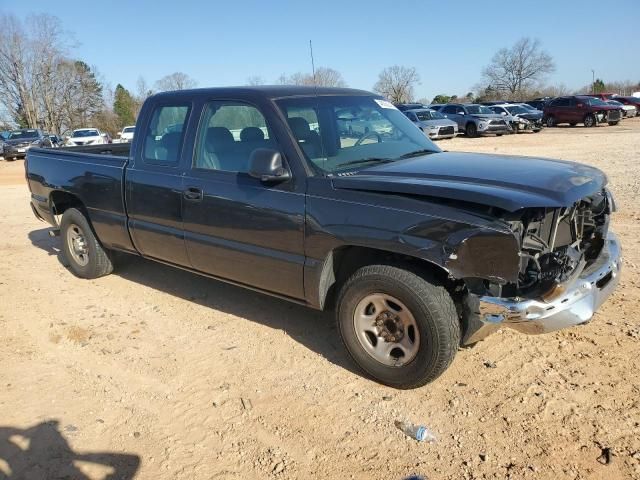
590	121
612	123
550	121
84	254
400	327
471	130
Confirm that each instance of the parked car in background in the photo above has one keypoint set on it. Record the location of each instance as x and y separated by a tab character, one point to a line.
435	106
633	101
4	135
602	96
20	141
360	123
106	137
432	123
474	119
519	118
126	135
409	106
583	109
85	136
628	111
539	103
56	140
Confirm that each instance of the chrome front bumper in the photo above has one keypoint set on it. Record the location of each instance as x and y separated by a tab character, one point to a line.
575	306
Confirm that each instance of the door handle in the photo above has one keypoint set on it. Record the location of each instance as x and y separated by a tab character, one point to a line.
193	194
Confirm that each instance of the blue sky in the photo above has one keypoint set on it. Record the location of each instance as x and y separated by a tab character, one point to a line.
224	43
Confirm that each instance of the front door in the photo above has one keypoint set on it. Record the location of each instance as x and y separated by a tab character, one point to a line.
235	226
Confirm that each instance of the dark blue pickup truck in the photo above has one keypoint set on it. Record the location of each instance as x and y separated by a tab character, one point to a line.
418	251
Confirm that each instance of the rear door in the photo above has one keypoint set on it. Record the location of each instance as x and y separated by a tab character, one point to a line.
451	112
154	184
237	227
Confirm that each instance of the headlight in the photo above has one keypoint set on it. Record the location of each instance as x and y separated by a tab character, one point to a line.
432	127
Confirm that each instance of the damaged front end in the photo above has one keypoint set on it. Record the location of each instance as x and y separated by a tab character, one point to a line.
568	262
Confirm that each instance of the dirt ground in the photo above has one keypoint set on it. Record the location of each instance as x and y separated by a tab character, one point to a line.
156	373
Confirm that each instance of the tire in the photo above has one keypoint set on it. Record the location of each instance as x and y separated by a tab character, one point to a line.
590	121
471	130
432	322
612	123
550	121
82	250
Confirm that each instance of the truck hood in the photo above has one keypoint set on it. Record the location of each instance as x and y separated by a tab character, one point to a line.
506	182
487	116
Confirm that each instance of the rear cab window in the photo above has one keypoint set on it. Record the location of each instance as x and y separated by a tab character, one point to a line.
165	133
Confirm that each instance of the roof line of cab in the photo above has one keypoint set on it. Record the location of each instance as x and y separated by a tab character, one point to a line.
268	91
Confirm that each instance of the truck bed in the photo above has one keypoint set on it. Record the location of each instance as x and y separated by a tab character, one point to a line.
94	175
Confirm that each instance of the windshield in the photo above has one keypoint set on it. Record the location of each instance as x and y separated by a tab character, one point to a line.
479	109
424	115
23	134
128	129
516	109
594	102
338	133
85	133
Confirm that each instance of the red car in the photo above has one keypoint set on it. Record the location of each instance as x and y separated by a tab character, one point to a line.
634	101
602	96
580	109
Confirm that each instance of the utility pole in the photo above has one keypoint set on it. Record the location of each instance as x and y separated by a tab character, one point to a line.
593	81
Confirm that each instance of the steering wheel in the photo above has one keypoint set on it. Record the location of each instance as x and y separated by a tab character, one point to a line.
368	134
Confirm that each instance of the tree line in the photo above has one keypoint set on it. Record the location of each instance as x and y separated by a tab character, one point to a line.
42	85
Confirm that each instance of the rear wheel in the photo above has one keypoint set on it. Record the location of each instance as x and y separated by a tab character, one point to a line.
84	254
471	130
590	121
551	122
399	327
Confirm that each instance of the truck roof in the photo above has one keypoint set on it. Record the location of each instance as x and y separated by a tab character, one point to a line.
268	91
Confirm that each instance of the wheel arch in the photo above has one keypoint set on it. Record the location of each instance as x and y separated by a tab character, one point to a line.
343	261
61	201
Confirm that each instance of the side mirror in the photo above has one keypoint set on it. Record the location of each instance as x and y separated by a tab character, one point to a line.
267	165
504	114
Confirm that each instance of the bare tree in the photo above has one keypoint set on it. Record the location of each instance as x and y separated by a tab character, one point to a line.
324	77
255	80
517	69
175	81
397	83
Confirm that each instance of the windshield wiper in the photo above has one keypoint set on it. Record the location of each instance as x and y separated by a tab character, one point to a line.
416	153
367	160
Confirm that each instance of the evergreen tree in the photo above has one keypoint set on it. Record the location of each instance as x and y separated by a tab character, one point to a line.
124	106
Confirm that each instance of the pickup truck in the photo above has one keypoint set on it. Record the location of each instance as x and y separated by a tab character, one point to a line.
417	251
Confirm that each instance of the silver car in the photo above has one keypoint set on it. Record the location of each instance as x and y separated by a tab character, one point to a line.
432	123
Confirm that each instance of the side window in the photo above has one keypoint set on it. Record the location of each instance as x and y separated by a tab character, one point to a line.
165	134
449	109
229	132
571	102
304	124
460	110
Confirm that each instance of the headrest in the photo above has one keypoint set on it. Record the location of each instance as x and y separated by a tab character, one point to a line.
300	128
219	137
251	134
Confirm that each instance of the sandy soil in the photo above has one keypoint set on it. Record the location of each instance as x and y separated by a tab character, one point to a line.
156	373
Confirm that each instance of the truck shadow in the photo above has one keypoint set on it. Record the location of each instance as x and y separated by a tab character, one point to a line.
41	451
313	329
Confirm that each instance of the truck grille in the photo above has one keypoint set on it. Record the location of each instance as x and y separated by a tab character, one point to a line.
614	115
446	130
